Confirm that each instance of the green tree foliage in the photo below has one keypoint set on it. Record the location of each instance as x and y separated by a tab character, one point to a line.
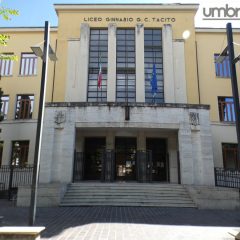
6	14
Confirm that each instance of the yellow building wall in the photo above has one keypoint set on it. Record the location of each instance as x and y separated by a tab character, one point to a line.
20	42
209	43
69	27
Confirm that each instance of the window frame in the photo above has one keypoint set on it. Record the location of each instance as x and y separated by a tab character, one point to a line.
31	106
126	65
5	113
25	147
10	68
153	53
97	52
227	147
34	70
228	115
223	67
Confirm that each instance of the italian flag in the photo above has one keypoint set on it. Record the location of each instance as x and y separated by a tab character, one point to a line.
100	76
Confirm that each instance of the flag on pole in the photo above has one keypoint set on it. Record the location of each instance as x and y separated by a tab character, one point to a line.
100	75
154	81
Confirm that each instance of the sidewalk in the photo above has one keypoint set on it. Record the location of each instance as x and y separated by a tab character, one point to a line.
133	223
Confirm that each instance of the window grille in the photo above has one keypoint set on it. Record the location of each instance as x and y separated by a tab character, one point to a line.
229	155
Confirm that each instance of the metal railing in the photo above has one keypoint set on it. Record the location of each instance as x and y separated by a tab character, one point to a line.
227	178
13	176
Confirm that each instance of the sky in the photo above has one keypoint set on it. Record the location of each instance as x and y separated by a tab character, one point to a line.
34	13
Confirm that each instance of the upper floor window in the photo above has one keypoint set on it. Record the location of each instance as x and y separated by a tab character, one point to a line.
222	69
24	106
126	70
229	156
153	61
4	106
226	109
98	60
20	151
28	64
6	66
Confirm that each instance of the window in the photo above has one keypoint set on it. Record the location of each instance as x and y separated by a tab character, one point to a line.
222	69
229	155
226	109
24	106
6	66
98	58
20	153
126	73
4	106
1	153
153	56
28	64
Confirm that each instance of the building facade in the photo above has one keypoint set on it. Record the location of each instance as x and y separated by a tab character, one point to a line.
129	98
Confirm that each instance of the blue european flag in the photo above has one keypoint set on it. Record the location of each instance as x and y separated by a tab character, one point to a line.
154	81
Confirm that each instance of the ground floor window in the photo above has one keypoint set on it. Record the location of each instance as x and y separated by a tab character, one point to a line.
229	155
20	151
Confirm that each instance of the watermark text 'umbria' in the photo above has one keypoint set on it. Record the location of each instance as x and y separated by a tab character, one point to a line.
221	13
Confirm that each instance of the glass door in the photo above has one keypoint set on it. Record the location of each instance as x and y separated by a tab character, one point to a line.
94	157
125	159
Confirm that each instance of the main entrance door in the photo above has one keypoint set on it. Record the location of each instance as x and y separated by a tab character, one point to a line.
94	157
125	158
157	149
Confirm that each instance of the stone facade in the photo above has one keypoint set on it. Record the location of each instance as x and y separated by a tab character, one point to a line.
172	120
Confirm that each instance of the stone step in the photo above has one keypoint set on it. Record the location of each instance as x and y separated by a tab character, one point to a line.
129	194
120	204
166	186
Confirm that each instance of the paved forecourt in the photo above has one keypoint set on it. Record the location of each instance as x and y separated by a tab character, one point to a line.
107	223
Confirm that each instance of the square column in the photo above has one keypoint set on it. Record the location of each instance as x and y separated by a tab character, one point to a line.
179	72
140	75
112	63
185	152
168	64
109	164
84	58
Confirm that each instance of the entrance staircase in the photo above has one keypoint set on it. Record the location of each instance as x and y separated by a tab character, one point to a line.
127	194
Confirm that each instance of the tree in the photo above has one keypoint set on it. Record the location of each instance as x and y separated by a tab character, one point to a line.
6	14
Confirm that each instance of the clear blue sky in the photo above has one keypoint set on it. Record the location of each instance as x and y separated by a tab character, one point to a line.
35	12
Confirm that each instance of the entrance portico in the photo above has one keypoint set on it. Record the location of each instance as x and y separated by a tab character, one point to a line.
116	155
184	128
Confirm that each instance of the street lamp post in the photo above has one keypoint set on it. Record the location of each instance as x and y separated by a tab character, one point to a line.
234	82
44	55
229	51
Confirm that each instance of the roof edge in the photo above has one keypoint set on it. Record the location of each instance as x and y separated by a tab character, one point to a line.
214	30
174	6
